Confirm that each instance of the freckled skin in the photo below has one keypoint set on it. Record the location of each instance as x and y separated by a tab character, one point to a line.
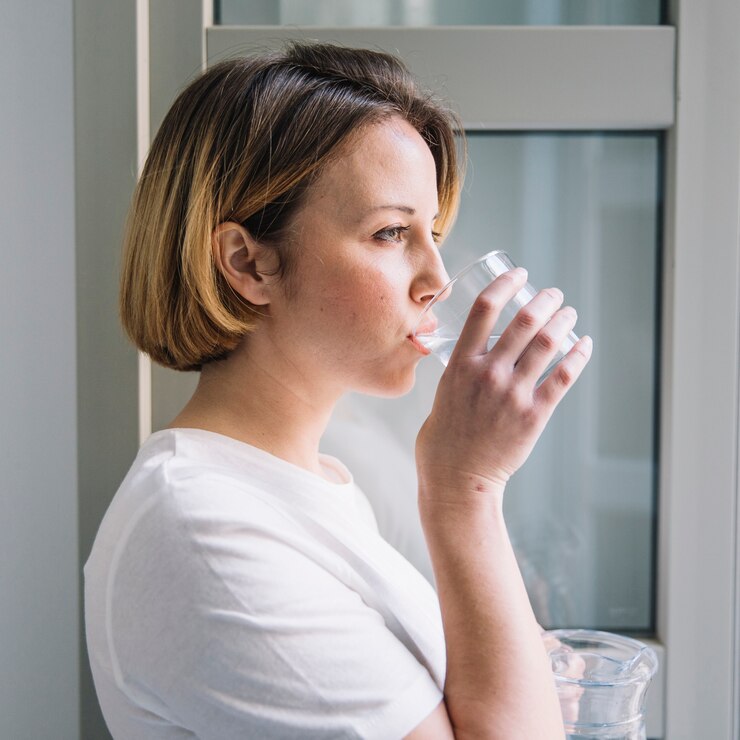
356	296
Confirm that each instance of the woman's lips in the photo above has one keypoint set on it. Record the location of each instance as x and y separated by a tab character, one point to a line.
419	346
427	328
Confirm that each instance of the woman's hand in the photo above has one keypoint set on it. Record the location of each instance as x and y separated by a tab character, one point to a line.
488	412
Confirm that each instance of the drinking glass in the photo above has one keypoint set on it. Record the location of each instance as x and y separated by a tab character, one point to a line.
442	320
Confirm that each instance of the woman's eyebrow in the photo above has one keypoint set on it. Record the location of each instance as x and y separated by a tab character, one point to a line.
397	207
394	207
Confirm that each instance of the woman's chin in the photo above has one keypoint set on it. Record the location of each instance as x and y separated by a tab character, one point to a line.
392	386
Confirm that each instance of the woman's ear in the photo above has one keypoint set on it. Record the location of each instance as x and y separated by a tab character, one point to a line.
243	262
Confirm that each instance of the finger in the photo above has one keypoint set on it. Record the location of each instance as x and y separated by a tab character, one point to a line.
550	642
528	321
570	704
565	373
485	312
543	349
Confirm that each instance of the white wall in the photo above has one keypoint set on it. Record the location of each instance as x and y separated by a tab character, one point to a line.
68	425
105	173
39	627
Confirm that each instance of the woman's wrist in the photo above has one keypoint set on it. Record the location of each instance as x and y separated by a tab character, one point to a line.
456	490
451	510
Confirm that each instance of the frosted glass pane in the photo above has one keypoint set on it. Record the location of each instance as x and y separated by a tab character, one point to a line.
356	13
580	211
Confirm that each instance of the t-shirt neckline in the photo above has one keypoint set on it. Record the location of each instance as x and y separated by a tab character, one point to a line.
249	452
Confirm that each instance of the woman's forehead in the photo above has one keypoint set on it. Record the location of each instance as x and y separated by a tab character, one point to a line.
388	163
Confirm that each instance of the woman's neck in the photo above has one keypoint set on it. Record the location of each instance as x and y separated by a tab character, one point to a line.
268	403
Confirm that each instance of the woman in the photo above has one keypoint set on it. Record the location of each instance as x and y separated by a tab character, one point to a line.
283	239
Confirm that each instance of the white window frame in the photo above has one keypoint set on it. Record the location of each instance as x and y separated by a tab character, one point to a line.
682	78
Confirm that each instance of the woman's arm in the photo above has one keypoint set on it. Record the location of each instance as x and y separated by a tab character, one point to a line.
499	683
487	416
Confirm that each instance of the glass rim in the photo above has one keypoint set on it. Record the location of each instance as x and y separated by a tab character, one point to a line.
608	638
451	282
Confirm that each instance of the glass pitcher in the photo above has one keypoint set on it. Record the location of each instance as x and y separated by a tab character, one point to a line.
601	680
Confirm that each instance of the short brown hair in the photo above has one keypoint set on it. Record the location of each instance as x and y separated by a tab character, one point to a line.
242	143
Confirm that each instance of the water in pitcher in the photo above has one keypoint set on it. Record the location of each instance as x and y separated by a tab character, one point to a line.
601	679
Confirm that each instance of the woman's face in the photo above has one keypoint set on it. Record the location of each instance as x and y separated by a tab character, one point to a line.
365	263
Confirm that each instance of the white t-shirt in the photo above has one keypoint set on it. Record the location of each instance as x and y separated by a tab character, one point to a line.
355	428
230	594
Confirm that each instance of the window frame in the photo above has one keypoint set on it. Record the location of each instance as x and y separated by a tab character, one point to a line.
697	550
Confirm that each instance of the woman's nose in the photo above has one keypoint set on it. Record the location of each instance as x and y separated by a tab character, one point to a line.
431	277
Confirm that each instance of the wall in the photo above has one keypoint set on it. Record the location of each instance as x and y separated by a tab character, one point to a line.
39	625
67	169
105	133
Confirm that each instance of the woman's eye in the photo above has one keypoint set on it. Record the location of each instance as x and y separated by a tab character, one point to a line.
391	234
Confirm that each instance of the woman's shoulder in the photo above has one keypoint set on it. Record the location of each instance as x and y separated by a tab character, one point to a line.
200	511
187	487
182	478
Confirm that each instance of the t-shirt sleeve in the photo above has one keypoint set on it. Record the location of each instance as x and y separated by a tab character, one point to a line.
242	626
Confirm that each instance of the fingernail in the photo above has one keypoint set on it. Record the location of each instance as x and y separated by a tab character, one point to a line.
587	342
520	273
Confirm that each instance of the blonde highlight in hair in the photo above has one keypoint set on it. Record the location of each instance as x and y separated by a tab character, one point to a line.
243	143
